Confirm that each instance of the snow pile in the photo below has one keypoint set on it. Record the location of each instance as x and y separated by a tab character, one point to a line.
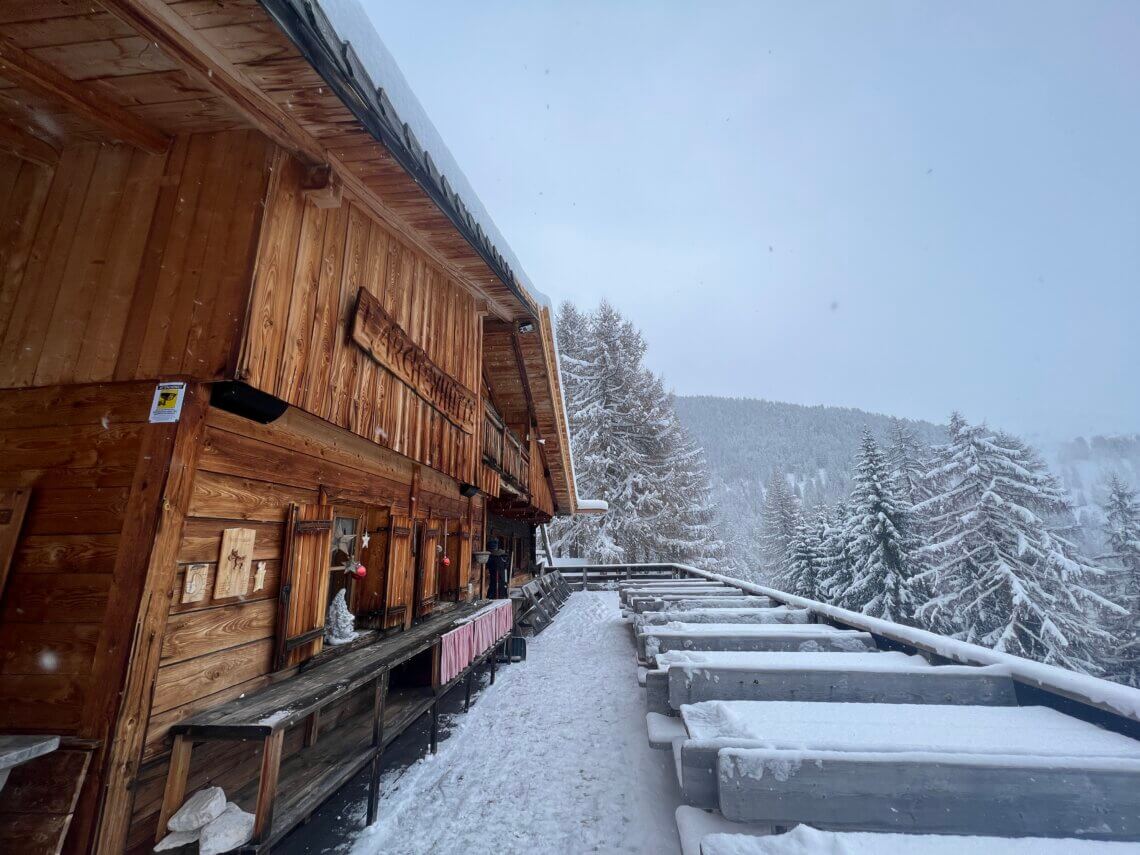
762	630
735	616
693	660
967	730
804	840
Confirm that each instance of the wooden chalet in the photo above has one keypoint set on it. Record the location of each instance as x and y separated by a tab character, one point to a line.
254	332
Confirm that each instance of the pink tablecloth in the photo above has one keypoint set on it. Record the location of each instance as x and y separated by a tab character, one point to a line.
455	652
460	646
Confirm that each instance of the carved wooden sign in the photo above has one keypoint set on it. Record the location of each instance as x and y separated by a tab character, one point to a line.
234	563
378	334
194	584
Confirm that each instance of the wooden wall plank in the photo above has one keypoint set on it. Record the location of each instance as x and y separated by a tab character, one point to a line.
25	334
273	277
337	252
98	346
231	497
196	633
23	206
47	648
76	291
140	265
184	681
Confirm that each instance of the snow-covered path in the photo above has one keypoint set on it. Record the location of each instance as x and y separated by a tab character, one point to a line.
553	758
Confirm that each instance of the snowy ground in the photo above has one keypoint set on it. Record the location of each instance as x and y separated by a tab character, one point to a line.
553	758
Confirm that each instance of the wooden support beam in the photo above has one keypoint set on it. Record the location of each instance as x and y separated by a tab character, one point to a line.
26	145
176	779
267	785
35	75
516	346
322	187
139	606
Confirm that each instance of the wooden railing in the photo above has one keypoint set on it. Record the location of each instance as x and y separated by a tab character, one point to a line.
504	451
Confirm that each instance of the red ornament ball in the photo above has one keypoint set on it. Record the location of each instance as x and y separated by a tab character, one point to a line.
446	561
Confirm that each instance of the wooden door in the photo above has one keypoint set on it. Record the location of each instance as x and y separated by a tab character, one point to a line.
401	573
369	594
302	597
427	567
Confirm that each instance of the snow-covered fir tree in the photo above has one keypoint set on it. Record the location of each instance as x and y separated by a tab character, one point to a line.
629	449
778	520
835	575
908	461
806	561
1000	575
1122	533
879	544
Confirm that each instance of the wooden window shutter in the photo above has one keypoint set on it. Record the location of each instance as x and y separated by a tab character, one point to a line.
398	609
304	588
427	585
368	594
465	549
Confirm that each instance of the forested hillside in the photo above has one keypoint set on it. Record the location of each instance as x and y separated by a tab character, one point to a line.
747	441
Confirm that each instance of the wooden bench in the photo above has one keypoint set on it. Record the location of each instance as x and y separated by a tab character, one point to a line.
309	776
925	768
536	610
791	637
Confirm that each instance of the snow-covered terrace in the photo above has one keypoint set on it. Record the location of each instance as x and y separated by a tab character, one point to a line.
959	749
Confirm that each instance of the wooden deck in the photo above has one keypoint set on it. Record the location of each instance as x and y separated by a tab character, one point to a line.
291	787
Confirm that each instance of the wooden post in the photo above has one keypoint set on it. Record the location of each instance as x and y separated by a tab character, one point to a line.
139	604
467	690
380	694
312	728
267	784
176	777
494	661
434	743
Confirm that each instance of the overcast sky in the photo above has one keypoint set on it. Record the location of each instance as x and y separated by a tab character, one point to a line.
905	207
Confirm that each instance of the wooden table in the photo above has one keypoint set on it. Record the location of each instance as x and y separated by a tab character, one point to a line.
17	748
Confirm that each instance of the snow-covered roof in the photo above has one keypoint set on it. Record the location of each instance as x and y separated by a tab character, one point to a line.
349	33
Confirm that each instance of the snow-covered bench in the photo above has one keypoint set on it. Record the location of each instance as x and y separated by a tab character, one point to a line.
728	598
929	768
779	614
627	595
804	839
809	637
684	677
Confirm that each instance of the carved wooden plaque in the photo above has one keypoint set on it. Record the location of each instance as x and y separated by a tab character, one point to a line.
234	563
194	585
378	334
